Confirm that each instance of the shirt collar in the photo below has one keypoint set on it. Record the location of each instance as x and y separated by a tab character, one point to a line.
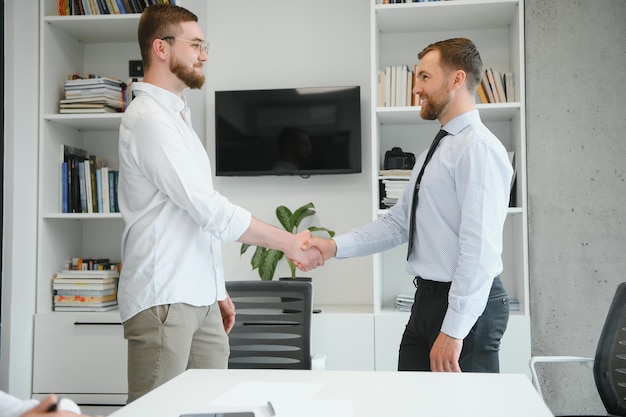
454	126
162	96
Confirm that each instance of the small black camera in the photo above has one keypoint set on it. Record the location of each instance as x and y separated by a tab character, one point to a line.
398	159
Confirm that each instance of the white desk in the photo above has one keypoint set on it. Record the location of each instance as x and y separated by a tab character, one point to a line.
375	394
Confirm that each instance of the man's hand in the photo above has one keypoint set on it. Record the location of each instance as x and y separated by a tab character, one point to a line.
42	409
445	354
304	259
262	234
327	247
227	308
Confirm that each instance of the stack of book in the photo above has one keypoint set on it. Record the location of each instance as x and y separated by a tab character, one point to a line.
93	95
393	183
404	302
76	290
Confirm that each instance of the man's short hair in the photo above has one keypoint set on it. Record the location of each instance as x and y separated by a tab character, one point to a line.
159	21
459	53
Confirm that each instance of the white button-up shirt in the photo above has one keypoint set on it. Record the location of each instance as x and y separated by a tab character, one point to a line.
174	219
463	200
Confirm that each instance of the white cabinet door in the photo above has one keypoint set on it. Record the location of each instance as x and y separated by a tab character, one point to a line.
347	340
388	329
515	346
79	353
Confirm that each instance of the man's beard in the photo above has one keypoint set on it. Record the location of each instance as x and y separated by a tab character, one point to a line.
435	105
190	77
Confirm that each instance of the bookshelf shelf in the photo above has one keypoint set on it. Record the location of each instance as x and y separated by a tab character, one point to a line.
445	16
82	216
97	28
87	121
411	115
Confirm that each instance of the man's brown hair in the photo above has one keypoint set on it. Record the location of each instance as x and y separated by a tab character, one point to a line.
459	53
159	21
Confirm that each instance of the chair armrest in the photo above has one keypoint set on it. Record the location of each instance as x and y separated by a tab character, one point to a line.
554	359
318	362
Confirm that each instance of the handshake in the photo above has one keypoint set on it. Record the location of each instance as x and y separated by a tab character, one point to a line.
309	251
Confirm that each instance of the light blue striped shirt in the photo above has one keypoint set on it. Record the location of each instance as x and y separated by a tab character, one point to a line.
463	200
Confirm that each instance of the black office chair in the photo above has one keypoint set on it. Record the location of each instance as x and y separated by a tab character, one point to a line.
273	325
609	363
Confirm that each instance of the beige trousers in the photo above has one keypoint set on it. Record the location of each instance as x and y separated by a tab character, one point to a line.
165	340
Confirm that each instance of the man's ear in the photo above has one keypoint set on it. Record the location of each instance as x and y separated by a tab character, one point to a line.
459	79
159	48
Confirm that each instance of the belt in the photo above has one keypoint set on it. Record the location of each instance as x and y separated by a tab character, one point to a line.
427	283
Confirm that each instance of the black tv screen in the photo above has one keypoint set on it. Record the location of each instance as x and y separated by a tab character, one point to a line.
295	131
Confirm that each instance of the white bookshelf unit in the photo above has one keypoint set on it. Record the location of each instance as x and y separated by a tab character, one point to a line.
398	33
78	355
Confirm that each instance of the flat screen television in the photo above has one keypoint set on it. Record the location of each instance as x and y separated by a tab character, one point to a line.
291	131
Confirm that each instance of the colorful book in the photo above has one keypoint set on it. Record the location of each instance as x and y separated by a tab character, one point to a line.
84	299
86	308
79	286
86	274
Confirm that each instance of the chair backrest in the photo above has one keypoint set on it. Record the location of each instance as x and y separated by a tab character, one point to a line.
273	324
609	367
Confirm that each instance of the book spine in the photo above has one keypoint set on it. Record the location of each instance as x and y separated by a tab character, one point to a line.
492	85
62	8
113	6
88	193
121	6
105	190
92	179
99	189
83	192
112	191
415	97
75	186
85	7
485	83
64	191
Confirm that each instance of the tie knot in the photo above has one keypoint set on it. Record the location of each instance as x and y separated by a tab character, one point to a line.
440	134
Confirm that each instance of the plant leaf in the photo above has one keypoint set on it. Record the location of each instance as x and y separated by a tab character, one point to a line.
331	233
284	216
268	264
257	258
300	214
244	248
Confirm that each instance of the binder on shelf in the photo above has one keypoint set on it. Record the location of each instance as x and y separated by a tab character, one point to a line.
70	187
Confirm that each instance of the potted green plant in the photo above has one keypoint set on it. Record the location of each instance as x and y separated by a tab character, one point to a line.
265	260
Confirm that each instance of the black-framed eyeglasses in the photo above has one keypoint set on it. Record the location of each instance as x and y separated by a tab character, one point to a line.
200	46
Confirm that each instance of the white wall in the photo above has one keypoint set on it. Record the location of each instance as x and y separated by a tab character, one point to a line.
303	43
575	71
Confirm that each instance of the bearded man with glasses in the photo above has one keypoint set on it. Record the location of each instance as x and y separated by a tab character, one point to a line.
172	297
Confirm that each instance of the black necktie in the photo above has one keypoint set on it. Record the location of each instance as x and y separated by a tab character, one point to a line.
429	155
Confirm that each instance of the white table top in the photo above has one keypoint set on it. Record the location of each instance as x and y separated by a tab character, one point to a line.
341	393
